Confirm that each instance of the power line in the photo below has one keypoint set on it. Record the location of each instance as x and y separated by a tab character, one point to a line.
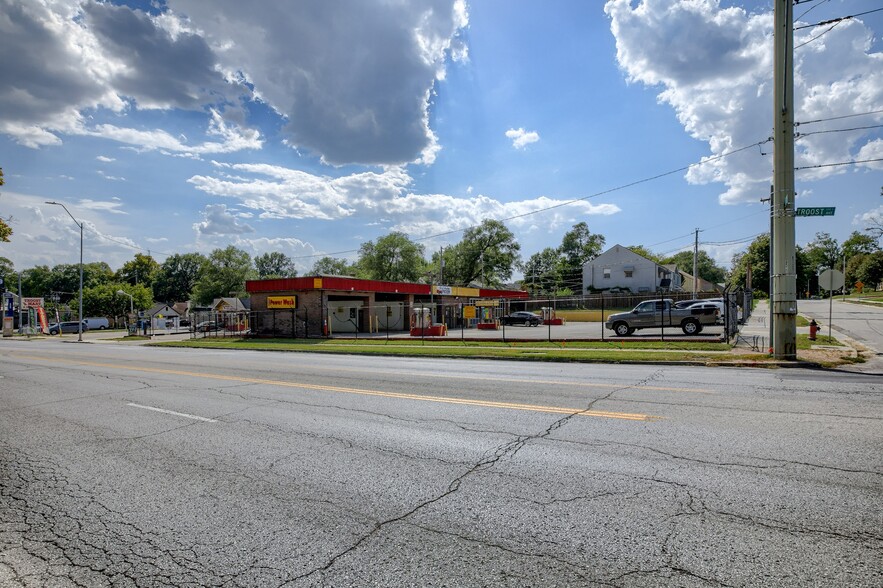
818	120
839	163
836	20
820	35
801	135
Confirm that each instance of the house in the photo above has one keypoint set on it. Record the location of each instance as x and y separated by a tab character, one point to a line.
701	285
620	268
162	316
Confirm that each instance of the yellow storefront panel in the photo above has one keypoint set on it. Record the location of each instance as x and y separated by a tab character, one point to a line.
280	302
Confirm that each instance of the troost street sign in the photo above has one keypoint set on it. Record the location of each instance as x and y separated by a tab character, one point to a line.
822	211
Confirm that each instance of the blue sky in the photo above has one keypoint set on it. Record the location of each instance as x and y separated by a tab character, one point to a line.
311	128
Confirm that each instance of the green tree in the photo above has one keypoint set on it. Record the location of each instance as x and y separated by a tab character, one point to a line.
96	273
274	265
103	300
177	276
542	272
707	268
858	243
870	271
36	281
578	246
394	258
140	270
5	229
486	254
223	274
332	266
644	252
7	272
757	259
823	252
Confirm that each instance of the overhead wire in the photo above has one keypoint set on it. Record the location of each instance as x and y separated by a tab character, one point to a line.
836	20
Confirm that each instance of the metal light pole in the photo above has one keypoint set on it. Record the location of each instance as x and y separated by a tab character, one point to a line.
79	224
131	301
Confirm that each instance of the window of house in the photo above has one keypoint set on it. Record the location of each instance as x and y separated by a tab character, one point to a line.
606	273
628	273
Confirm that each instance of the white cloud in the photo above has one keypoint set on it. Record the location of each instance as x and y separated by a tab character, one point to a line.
521	138
217	220
383	198
104	206
713	66
105	159
875	215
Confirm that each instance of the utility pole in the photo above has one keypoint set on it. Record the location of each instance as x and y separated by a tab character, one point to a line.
696	264
784	262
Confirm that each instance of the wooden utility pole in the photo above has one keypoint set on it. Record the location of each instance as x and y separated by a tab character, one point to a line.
784	261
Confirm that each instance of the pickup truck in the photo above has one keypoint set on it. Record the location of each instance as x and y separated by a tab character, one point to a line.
653	314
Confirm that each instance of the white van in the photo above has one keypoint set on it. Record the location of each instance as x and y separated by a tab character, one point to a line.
97	323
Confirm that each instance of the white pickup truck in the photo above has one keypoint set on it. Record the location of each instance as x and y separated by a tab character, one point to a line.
654	314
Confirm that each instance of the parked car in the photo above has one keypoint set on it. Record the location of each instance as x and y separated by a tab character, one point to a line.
521	317
97	322
206	326
67	327
184	322
716	307
653	314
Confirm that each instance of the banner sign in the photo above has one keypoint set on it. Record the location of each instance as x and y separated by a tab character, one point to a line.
31	302
281	302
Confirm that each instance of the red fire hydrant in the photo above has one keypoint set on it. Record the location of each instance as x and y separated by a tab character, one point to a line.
813	329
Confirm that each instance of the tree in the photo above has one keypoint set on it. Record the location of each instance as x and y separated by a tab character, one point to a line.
176	277
223	274
140	270
757	259
331	266
394	258
96	273
5	229
487	254
870	271
644	252
858	243
274	265
578	246
103	300
542	272
823	252
36	281
706	267
7	273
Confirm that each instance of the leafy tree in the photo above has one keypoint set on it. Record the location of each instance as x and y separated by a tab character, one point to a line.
140	270
823	252
64	279
644	252
7	272
487	254
36	281
707	268
96	273
542	272
394	258
757	258
177	276
274	265
870	271
857	243
5	229
578	246
223	274
332	266
103	300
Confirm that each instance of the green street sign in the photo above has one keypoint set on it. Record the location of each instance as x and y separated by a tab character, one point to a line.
827	211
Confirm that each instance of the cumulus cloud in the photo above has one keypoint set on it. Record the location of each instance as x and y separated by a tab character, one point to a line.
384	198
105	159
81	57
713	67
218	220
521	138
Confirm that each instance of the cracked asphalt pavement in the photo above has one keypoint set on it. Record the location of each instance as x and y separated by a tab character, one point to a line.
124	466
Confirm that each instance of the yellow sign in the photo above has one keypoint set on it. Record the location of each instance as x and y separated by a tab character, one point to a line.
317	283
468	312
487	303
274	302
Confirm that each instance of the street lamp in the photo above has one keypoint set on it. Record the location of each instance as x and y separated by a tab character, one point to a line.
79	224
131	301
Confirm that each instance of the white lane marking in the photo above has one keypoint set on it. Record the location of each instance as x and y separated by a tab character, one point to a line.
180	414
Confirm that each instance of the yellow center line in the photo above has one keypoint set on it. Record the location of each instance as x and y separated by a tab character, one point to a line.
366	392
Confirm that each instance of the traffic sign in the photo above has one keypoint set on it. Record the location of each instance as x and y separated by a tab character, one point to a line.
831	279
824	211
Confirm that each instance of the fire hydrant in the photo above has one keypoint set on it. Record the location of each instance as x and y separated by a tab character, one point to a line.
813	329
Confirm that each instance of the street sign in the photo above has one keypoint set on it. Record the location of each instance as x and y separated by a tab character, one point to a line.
831	279
825	211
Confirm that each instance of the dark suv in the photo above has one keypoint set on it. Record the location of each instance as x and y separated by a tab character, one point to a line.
67	327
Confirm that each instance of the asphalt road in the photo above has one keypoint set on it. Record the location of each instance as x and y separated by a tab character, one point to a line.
125	466
861	322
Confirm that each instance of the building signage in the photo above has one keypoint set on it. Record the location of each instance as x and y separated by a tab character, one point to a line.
487	303
31	302
317	283
443	290
825	211
281	302
468	312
